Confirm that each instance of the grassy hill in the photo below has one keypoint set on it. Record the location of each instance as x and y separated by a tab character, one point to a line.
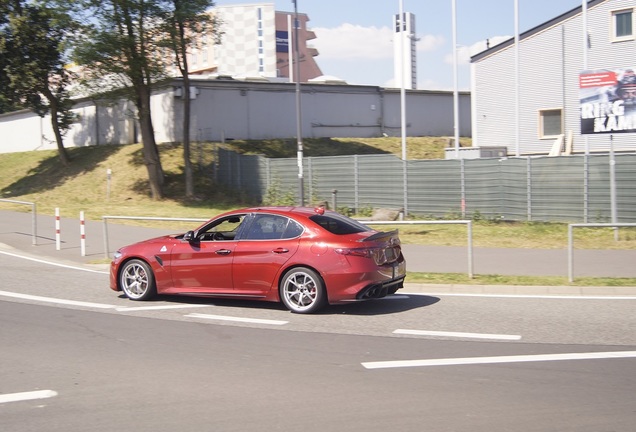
40	177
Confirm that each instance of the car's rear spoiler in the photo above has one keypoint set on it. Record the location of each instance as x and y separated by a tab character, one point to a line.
382	236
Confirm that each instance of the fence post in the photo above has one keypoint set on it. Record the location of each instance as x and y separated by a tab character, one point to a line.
612	168
57	229
356	192
105	226
405	176
529	188
470	249
310	180
570	257
34	224
82	235
462	183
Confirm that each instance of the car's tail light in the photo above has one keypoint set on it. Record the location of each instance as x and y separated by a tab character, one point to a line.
379	255
360	252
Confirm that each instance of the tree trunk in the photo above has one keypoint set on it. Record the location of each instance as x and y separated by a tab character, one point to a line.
59	140
189	181
151	153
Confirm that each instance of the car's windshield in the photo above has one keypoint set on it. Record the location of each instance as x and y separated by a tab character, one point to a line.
338	224
221	229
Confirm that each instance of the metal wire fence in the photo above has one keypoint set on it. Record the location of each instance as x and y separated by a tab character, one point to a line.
551	189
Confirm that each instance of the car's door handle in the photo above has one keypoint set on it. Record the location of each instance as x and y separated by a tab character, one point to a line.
223	252
280	250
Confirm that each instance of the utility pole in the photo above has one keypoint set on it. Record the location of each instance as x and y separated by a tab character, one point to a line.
299	134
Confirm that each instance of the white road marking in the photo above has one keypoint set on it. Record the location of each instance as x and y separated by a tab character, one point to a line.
237	319
55	300
54	263
17	397
150	308
501	359
532	296
457	334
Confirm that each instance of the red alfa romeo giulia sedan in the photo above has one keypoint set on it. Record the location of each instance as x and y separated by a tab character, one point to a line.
303	257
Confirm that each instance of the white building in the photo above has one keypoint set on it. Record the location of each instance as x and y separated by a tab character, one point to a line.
405	51
256	41
528	96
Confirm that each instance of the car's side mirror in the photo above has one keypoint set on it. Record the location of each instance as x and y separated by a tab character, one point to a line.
189	236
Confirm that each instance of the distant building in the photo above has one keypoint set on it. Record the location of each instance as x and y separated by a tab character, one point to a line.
224	109
569	75
404	42
256	43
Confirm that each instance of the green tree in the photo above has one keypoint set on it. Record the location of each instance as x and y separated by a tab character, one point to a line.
186	25
31	42
119	45
8	100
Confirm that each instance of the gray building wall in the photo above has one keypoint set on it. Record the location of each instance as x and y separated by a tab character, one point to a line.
241	110
247	110
550	61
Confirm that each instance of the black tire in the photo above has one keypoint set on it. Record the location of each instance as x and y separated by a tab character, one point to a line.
303	291
137	280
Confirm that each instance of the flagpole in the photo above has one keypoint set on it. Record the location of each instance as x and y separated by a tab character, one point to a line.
455	84
402	79
517	84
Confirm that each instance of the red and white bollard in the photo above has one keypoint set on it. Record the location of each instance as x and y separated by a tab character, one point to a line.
82	235
57	229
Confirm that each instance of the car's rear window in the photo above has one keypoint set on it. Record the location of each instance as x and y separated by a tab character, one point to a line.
338	224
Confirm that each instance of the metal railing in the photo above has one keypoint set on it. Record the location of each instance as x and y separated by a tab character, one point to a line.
571	240
34	223
468	223
469	233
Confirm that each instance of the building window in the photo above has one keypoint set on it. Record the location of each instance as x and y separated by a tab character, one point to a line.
550	123
622	25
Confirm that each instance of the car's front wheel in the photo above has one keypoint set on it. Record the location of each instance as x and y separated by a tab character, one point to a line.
137	280
302	290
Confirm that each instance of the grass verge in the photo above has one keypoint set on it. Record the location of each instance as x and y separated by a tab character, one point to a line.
463	279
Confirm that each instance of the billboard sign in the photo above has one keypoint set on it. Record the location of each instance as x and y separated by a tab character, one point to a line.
608	101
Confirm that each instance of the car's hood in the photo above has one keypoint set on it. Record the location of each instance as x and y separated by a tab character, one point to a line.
162	239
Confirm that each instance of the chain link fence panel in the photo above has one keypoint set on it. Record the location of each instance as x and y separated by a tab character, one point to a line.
549	189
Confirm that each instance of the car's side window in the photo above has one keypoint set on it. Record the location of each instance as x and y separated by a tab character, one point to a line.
293	229
272	227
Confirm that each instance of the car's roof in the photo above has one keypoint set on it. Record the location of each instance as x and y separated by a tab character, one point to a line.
303	211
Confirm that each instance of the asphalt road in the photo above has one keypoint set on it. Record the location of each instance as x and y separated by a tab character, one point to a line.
127	373
76	356
99	362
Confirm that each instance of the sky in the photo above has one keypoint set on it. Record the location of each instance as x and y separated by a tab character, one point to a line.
354	37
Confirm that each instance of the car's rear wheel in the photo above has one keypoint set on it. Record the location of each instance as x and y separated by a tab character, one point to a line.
137	280
302	290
